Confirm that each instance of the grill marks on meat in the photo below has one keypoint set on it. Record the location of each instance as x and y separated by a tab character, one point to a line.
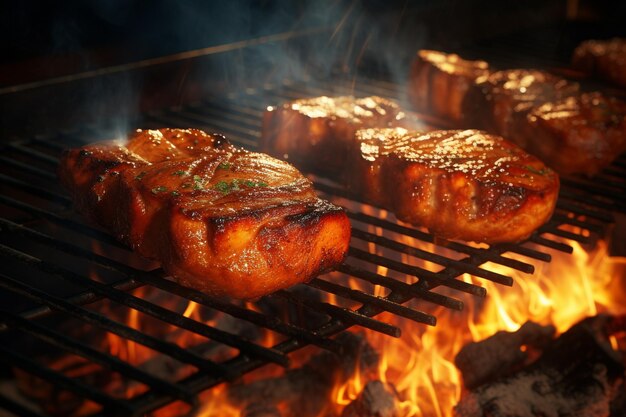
220	219
583	134
316	132
438	83
500	102
461	184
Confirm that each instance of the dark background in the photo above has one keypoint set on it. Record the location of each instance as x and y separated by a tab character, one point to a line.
49	41
48	38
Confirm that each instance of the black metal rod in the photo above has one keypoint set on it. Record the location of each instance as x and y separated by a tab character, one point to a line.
111	362
151	309
487	254
382	303
13	358
36	190
114	327
40	156
400	286
28	168
17	409
592	227
417	272
65	222
458	267
153	278
343	314
552	244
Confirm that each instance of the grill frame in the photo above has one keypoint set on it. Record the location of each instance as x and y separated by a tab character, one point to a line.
238	117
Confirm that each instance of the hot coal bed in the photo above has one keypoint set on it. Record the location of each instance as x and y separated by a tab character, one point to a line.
88	328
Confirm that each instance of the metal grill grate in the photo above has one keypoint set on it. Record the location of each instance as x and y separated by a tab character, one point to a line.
57	267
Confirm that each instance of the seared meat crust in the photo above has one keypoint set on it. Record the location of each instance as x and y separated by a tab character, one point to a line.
220	219
317	132
499	103
461	184
580	134
438	83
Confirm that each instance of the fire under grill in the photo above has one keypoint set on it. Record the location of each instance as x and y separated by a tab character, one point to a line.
58	270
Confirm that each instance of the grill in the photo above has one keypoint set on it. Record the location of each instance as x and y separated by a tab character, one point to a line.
66	285
56	268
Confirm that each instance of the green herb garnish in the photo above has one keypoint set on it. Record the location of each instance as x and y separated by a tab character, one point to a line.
140	175
179	173
175	193
234	185
534	170
186	185
159	189
225	165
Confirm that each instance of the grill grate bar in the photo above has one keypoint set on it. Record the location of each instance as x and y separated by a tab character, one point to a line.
28	168
580	205
491	255
112	362
153	310
383	304
559	218
552	228
344	314
402	287
455	267
40	156
150	278
35	190
252	316
58	304
585	204
63	221
418	272
17	409
551	244
16	359
525	251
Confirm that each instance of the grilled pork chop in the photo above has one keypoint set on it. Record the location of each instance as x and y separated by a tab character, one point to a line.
499	103
605	59
438	83
317	132
580	134
220	219
461	184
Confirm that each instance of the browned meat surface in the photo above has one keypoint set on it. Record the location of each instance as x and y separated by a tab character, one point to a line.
500	102
604	59
438	83
461	184
316	133
580	134
220	219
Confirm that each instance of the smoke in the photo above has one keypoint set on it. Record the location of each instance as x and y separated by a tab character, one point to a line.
338	40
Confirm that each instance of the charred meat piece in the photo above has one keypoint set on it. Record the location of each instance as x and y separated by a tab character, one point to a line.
461	184
220	219
603	59
580	134
500	102
438	83
317	133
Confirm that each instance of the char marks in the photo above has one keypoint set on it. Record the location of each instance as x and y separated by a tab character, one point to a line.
220	219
